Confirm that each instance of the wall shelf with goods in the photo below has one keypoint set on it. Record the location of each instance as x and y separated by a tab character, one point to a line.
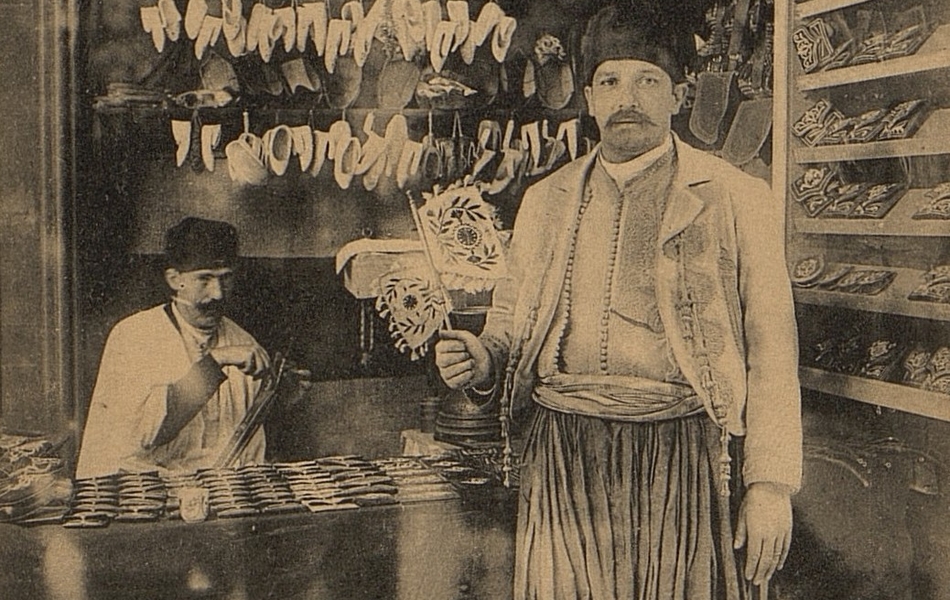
893	300
898	222
896	241
878	393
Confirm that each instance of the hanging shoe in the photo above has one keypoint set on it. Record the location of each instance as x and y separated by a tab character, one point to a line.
321	147
181	131
501	38
285	27
194	17
441	44
208	35
210	138
312	23
234	27
339	133
488	18
171	19
303	145
344	165
152	23
397	135
338	42
432	16
246	160
458	14
409	25
408	166
278	146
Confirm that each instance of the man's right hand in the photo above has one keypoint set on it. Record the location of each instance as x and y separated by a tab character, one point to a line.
463	360
251	359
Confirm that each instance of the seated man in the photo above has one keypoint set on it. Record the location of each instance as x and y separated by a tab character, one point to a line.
175	380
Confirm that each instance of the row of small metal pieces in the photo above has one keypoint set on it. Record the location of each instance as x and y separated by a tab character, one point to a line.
128	497
338	483
415	480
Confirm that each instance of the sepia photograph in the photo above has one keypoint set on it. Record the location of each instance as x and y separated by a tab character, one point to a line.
475	300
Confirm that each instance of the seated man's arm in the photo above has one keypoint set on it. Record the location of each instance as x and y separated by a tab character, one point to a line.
187	396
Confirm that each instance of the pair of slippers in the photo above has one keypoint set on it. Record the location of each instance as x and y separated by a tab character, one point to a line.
536	152
251	159
195	143
163	21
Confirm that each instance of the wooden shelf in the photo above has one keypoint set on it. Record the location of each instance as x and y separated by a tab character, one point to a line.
893	300
816	7
879	393
897	222
934	54
931	139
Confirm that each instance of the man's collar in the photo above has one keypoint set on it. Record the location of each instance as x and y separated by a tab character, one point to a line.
623	172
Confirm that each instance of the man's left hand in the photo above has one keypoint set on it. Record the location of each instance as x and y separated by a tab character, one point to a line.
765	528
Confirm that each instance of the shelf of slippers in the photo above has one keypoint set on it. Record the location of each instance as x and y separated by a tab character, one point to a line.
933	55
812	8
879	393
892	300
899	221
931	139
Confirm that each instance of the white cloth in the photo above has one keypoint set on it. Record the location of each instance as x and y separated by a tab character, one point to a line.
144	354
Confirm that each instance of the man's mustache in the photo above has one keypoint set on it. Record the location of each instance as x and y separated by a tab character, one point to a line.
212	307
629	116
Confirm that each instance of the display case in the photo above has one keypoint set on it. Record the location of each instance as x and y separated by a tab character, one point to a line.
866	160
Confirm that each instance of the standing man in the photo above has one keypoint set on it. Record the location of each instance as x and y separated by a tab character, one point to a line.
648	320
175	380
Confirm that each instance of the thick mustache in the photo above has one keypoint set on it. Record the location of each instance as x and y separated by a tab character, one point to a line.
629	116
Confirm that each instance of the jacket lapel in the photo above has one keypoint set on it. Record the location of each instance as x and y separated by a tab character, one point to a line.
683	205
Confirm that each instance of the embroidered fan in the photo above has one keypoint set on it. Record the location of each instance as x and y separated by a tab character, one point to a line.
414	307
462	238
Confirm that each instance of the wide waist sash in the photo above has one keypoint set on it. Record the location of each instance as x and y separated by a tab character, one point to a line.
618	397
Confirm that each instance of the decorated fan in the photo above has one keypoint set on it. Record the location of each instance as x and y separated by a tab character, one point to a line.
462	251
414	307
460	233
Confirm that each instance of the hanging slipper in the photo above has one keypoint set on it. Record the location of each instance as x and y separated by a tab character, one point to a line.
181	132
344	165
210	138
261	16
171	19
409	161
278	146
246	158
458	14
502	36
210	29
409	27
373	149
312	24
302	136
285	27
441	44
567	133
194	17
321	147
152	23
397	134
364	33
488	18
339	133
432	16
489	144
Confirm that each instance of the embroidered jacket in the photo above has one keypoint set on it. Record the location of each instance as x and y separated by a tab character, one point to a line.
723	295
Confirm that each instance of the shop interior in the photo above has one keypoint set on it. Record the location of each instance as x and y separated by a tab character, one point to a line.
122	121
